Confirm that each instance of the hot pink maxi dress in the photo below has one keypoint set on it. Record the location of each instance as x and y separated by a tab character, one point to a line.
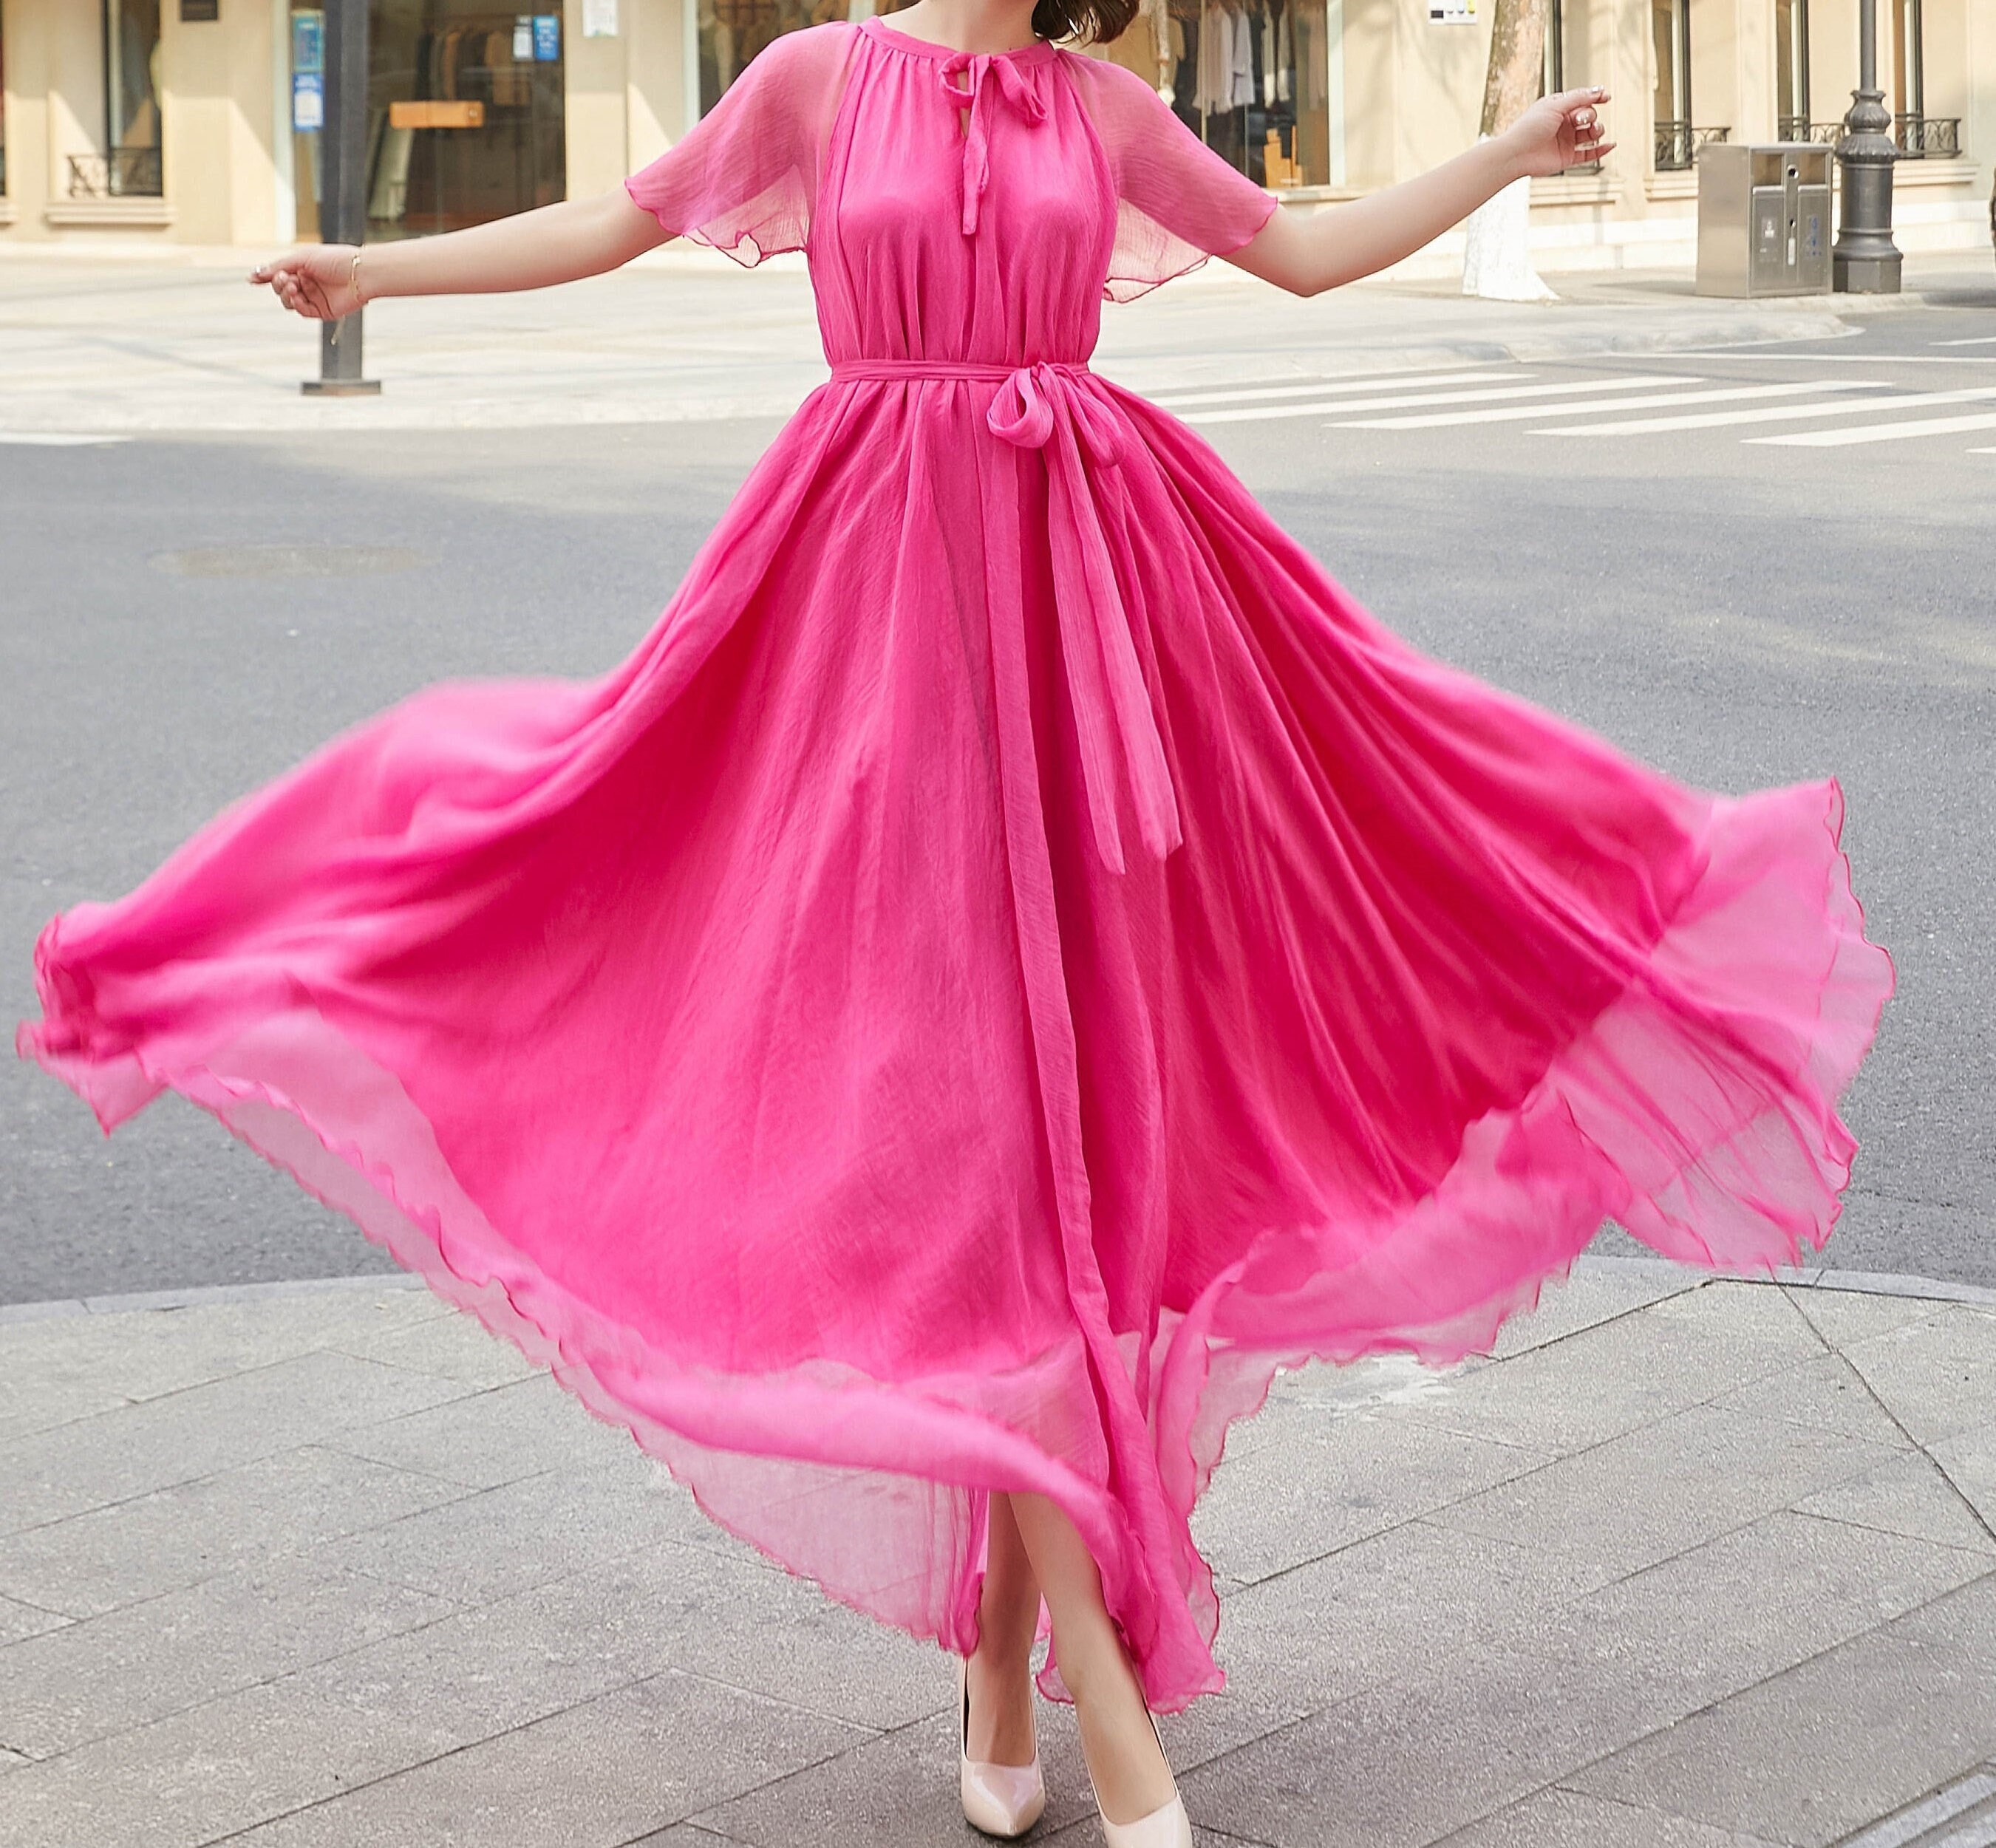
1016	954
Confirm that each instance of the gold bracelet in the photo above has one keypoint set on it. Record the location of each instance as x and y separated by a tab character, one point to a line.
353	281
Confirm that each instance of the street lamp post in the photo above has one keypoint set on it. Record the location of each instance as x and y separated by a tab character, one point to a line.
1864	260
343	200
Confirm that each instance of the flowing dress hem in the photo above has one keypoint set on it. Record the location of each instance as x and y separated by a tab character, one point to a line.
1528	1193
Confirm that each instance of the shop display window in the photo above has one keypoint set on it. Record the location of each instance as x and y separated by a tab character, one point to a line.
732	31
465	115
1248	77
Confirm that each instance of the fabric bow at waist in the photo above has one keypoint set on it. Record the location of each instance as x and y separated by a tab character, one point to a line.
1051	407
981	72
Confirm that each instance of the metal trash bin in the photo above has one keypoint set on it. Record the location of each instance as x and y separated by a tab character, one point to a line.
1764	219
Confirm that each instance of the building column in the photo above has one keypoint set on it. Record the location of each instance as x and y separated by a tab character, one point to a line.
593	109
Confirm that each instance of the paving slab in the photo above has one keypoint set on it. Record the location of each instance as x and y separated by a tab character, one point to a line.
1315	1483
183	1435
1598	1512
1937	1376
90	1680
1683	1351
1684	1564
1564	1819
1811	1755
488	1438
276	1506
1968	1459
1921	1495
594	1775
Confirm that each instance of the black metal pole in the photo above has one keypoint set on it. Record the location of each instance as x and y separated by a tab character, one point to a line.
343	201
1865	261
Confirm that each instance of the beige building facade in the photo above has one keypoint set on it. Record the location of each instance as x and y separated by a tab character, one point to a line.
194	120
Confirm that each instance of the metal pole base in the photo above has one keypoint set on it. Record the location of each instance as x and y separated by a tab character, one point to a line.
1866	275
341	388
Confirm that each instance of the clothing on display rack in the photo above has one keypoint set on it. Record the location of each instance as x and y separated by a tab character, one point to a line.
1241	66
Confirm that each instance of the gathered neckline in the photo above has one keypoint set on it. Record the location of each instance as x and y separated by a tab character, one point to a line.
877	28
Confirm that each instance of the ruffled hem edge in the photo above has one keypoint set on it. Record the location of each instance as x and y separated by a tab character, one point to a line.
1544	1175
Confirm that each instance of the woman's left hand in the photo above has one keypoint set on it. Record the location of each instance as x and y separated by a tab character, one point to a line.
1559	132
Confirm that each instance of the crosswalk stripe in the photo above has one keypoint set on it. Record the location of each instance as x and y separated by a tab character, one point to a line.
1848	358
1337	382
1516	414
1317	408
1715	419
1911	426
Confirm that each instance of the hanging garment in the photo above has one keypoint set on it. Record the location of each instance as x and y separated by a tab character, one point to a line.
1017	953
1241	75
1215	94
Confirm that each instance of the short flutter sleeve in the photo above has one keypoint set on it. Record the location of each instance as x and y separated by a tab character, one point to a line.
745	178
1177	201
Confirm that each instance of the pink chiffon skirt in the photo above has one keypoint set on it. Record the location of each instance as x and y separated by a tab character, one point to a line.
1015	956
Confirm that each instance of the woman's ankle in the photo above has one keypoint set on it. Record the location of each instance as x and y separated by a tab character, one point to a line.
1000	1688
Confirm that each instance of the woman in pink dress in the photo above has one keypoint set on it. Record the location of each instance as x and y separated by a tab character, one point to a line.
1016	955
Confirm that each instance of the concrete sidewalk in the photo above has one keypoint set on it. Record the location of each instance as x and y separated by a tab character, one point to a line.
1689	1564
175	341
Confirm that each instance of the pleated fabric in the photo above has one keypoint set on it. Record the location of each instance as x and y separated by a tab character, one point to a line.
1016	954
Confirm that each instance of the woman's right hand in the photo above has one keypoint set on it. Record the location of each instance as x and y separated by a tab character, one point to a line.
317	281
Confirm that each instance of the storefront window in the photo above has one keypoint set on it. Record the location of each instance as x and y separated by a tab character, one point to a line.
1250	78
465	115
1669	29
131	105
1792	74
732	31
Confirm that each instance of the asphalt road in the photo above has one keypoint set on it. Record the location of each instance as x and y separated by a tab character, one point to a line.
1740	613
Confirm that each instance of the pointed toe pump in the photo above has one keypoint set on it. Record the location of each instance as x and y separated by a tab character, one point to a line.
1169	1827
1000	1800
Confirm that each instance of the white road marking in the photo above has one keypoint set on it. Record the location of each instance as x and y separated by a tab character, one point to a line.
1513	413
1974	340
1318	408
1898	433
1715	419
54	439
1943	1806
1338	382
1847	358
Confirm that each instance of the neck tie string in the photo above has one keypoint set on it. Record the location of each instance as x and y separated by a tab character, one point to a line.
980	69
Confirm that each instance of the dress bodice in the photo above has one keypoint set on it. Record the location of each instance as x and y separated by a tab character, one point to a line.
969	209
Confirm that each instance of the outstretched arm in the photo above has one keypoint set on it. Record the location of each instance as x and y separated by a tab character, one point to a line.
530	250
1308	255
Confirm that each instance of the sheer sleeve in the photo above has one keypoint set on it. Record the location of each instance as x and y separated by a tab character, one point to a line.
743	179
1177	202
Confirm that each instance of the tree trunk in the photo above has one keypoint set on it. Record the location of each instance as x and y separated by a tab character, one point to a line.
1517	62
1497	261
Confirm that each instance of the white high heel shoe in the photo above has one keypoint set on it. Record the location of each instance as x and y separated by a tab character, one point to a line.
1169	1827
1004	1800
